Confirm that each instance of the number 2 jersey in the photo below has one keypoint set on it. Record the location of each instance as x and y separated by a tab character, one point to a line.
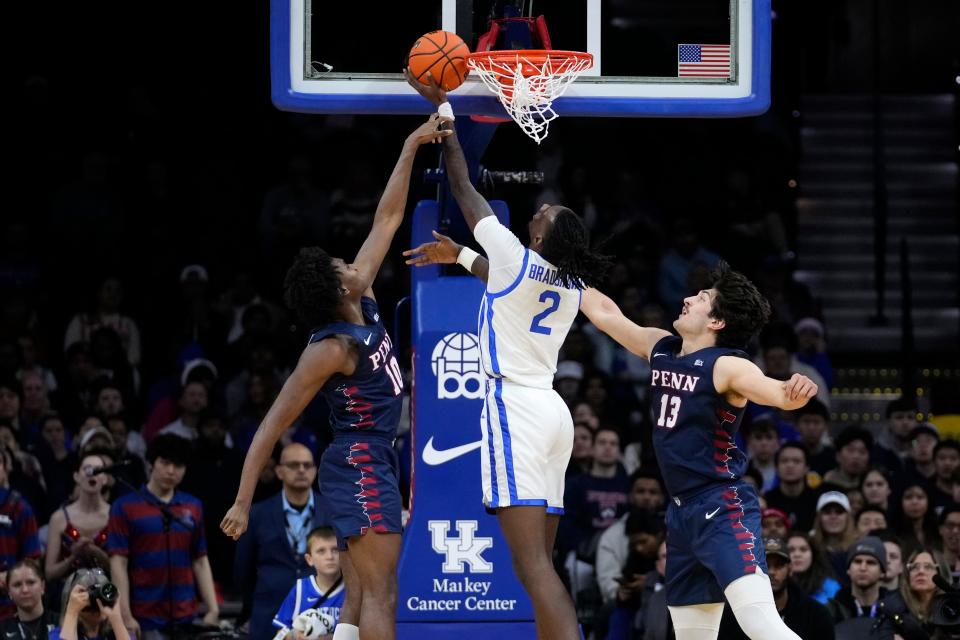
694	426
525	313
369	400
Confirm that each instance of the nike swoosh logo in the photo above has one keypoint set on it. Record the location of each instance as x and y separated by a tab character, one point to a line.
713	513
367	339
435	457
657	355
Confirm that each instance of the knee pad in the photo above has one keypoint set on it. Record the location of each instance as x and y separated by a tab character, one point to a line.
751	600
697	622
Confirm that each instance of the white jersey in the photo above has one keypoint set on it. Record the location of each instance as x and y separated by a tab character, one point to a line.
525	314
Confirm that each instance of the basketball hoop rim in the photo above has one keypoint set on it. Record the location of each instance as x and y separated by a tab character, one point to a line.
532	56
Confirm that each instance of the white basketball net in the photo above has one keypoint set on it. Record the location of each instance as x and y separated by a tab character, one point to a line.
529	98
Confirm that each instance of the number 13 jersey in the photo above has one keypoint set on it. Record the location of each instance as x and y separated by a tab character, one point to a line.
525	313
693	425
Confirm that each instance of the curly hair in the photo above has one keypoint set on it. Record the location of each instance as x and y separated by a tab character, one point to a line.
739	304
311	288
567	245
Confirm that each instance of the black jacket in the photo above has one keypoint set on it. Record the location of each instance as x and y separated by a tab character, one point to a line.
842	606
805	616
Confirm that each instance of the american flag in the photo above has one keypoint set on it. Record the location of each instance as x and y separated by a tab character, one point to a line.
703	60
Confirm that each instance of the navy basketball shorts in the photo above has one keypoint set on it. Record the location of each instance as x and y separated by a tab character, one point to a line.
713	538
359	476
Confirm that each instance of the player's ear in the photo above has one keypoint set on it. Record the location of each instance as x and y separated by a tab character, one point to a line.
717	324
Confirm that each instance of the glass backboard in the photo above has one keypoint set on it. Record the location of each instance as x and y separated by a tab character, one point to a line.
651	57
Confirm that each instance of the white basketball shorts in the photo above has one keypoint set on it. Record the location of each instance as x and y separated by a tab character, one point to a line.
527	443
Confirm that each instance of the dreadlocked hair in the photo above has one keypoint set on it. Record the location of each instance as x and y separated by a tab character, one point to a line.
567	246
311	288
742	308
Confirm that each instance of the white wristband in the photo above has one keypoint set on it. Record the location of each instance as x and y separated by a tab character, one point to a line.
467	257
446	111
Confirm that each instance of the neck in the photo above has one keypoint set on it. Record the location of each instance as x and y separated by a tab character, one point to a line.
926	468
351	312
189	419
813	447
297	497
155	489
326	581
924	598
793	488
781	599
891	585
866	596
945	485
29	615
600	470
695	343
89	501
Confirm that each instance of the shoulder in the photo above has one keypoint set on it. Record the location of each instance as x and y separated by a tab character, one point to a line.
57	520
668	344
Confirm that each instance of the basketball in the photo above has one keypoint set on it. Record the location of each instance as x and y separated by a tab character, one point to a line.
443	55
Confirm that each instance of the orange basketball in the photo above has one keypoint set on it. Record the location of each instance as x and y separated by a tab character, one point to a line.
443	55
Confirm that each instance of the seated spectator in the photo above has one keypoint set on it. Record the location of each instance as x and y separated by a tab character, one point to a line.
775	524
763	440
193	402
56	458
919	467
793	495
853	457
654	615
18	538
36	403
77	534
24	473
165	411
567	382
870	518
891	543
778	359
833	529
810	567
876	489
915	520
647	494
581	460
866	565
106	313
320	597
26	587
129	444
11	397
260	394
950	534
584	414
907	611
857	503
813	423
677	262
812	348
802	614
84	619
893	443
645	533
32	361
946	460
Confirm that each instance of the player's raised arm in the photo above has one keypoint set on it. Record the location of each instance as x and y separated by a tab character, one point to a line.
473	205
738	377
393	202
318	362
445	251
607	316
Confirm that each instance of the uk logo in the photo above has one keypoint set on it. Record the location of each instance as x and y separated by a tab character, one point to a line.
456	363
465	549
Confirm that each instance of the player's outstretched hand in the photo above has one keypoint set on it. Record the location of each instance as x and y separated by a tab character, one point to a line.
430	130
800	387
443	251
431	92
235	522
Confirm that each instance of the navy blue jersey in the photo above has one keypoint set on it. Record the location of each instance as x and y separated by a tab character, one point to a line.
369	400
694	425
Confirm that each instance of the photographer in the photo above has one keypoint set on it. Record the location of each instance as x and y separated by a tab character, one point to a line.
90	610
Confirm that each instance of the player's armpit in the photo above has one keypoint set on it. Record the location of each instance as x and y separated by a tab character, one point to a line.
738	378
607	316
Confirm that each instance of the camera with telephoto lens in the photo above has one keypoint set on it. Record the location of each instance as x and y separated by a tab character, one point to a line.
105	592
945	609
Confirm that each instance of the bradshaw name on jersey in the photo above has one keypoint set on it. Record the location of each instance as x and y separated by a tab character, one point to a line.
525	313
694	425
368	401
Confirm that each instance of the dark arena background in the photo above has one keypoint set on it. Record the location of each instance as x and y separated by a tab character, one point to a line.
156	198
